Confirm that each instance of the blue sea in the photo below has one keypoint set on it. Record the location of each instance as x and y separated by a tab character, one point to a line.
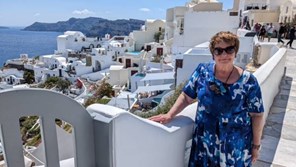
14	41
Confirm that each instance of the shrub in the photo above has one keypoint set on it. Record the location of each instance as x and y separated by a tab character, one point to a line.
163	109
105	89
29	77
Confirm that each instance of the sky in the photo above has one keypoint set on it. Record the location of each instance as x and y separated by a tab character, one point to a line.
26	12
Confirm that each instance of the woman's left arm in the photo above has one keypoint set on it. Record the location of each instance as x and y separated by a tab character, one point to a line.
257	126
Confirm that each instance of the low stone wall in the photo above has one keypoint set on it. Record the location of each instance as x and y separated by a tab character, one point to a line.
269	76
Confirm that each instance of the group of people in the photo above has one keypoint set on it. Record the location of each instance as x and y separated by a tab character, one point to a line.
267	30
264	30
229	117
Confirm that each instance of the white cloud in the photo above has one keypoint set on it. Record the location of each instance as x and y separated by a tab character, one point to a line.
144	9
36	14
83	12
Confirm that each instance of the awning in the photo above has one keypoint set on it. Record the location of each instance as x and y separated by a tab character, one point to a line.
158	76
153	88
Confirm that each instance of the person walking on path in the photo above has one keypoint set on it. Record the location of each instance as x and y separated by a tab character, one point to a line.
229	117
282	31
257	28
269	30
291	36
262	33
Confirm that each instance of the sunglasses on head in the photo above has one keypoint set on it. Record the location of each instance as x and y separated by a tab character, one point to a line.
229	50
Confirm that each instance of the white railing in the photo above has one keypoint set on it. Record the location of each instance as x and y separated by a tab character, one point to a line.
48	106
140	142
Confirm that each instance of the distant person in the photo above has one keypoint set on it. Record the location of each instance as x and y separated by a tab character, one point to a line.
257	28
269	30
291	36
247	26
229	116
282	31
262	33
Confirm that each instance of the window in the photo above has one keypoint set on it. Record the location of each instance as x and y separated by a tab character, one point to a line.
233	13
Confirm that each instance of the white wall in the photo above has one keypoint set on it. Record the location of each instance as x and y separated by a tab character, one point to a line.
118	77
49	106
208	6
266	51
131	133
154	25
74	40
269	76
195	25
245	52
81	69
275	4
190	62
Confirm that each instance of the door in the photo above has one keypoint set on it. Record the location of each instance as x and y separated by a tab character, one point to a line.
159	51
127	63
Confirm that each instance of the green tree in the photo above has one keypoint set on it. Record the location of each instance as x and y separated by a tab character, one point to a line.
63	84
105	89
157	36
60	83
29	77
163	109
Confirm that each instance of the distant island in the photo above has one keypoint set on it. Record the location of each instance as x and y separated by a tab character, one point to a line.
2	27
91	26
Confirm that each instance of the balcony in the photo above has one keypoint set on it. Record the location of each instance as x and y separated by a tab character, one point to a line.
107	136
256	7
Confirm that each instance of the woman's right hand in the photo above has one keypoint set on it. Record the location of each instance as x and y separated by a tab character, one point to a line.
161	118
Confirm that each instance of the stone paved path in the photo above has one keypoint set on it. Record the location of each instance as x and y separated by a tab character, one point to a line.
279	135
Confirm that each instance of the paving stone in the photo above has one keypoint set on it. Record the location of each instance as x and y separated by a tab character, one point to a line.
275	109
279	134
261	164
280	152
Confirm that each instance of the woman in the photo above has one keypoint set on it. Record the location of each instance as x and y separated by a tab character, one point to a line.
229	118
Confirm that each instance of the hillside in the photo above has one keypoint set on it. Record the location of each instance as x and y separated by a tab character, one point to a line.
90	26
2	27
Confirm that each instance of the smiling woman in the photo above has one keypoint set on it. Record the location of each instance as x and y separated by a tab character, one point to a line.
229	116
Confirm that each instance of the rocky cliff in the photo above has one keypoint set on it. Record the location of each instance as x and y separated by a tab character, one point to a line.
91	26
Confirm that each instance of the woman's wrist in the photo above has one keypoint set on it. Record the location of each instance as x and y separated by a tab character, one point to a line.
256	146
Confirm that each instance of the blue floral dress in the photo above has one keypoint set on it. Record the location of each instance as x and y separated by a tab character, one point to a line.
223	127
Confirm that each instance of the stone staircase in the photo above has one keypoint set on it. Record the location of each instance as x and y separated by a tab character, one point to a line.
279	134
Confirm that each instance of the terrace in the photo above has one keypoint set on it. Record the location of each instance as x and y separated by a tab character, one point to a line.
110	137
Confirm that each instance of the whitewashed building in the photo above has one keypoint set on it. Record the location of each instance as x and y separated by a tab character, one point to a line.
118	75
12	76
266	11
147	33
187	26
76	41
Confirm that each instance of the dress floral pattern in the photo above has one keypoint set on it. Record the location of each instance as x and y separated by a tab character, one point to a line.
223	126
